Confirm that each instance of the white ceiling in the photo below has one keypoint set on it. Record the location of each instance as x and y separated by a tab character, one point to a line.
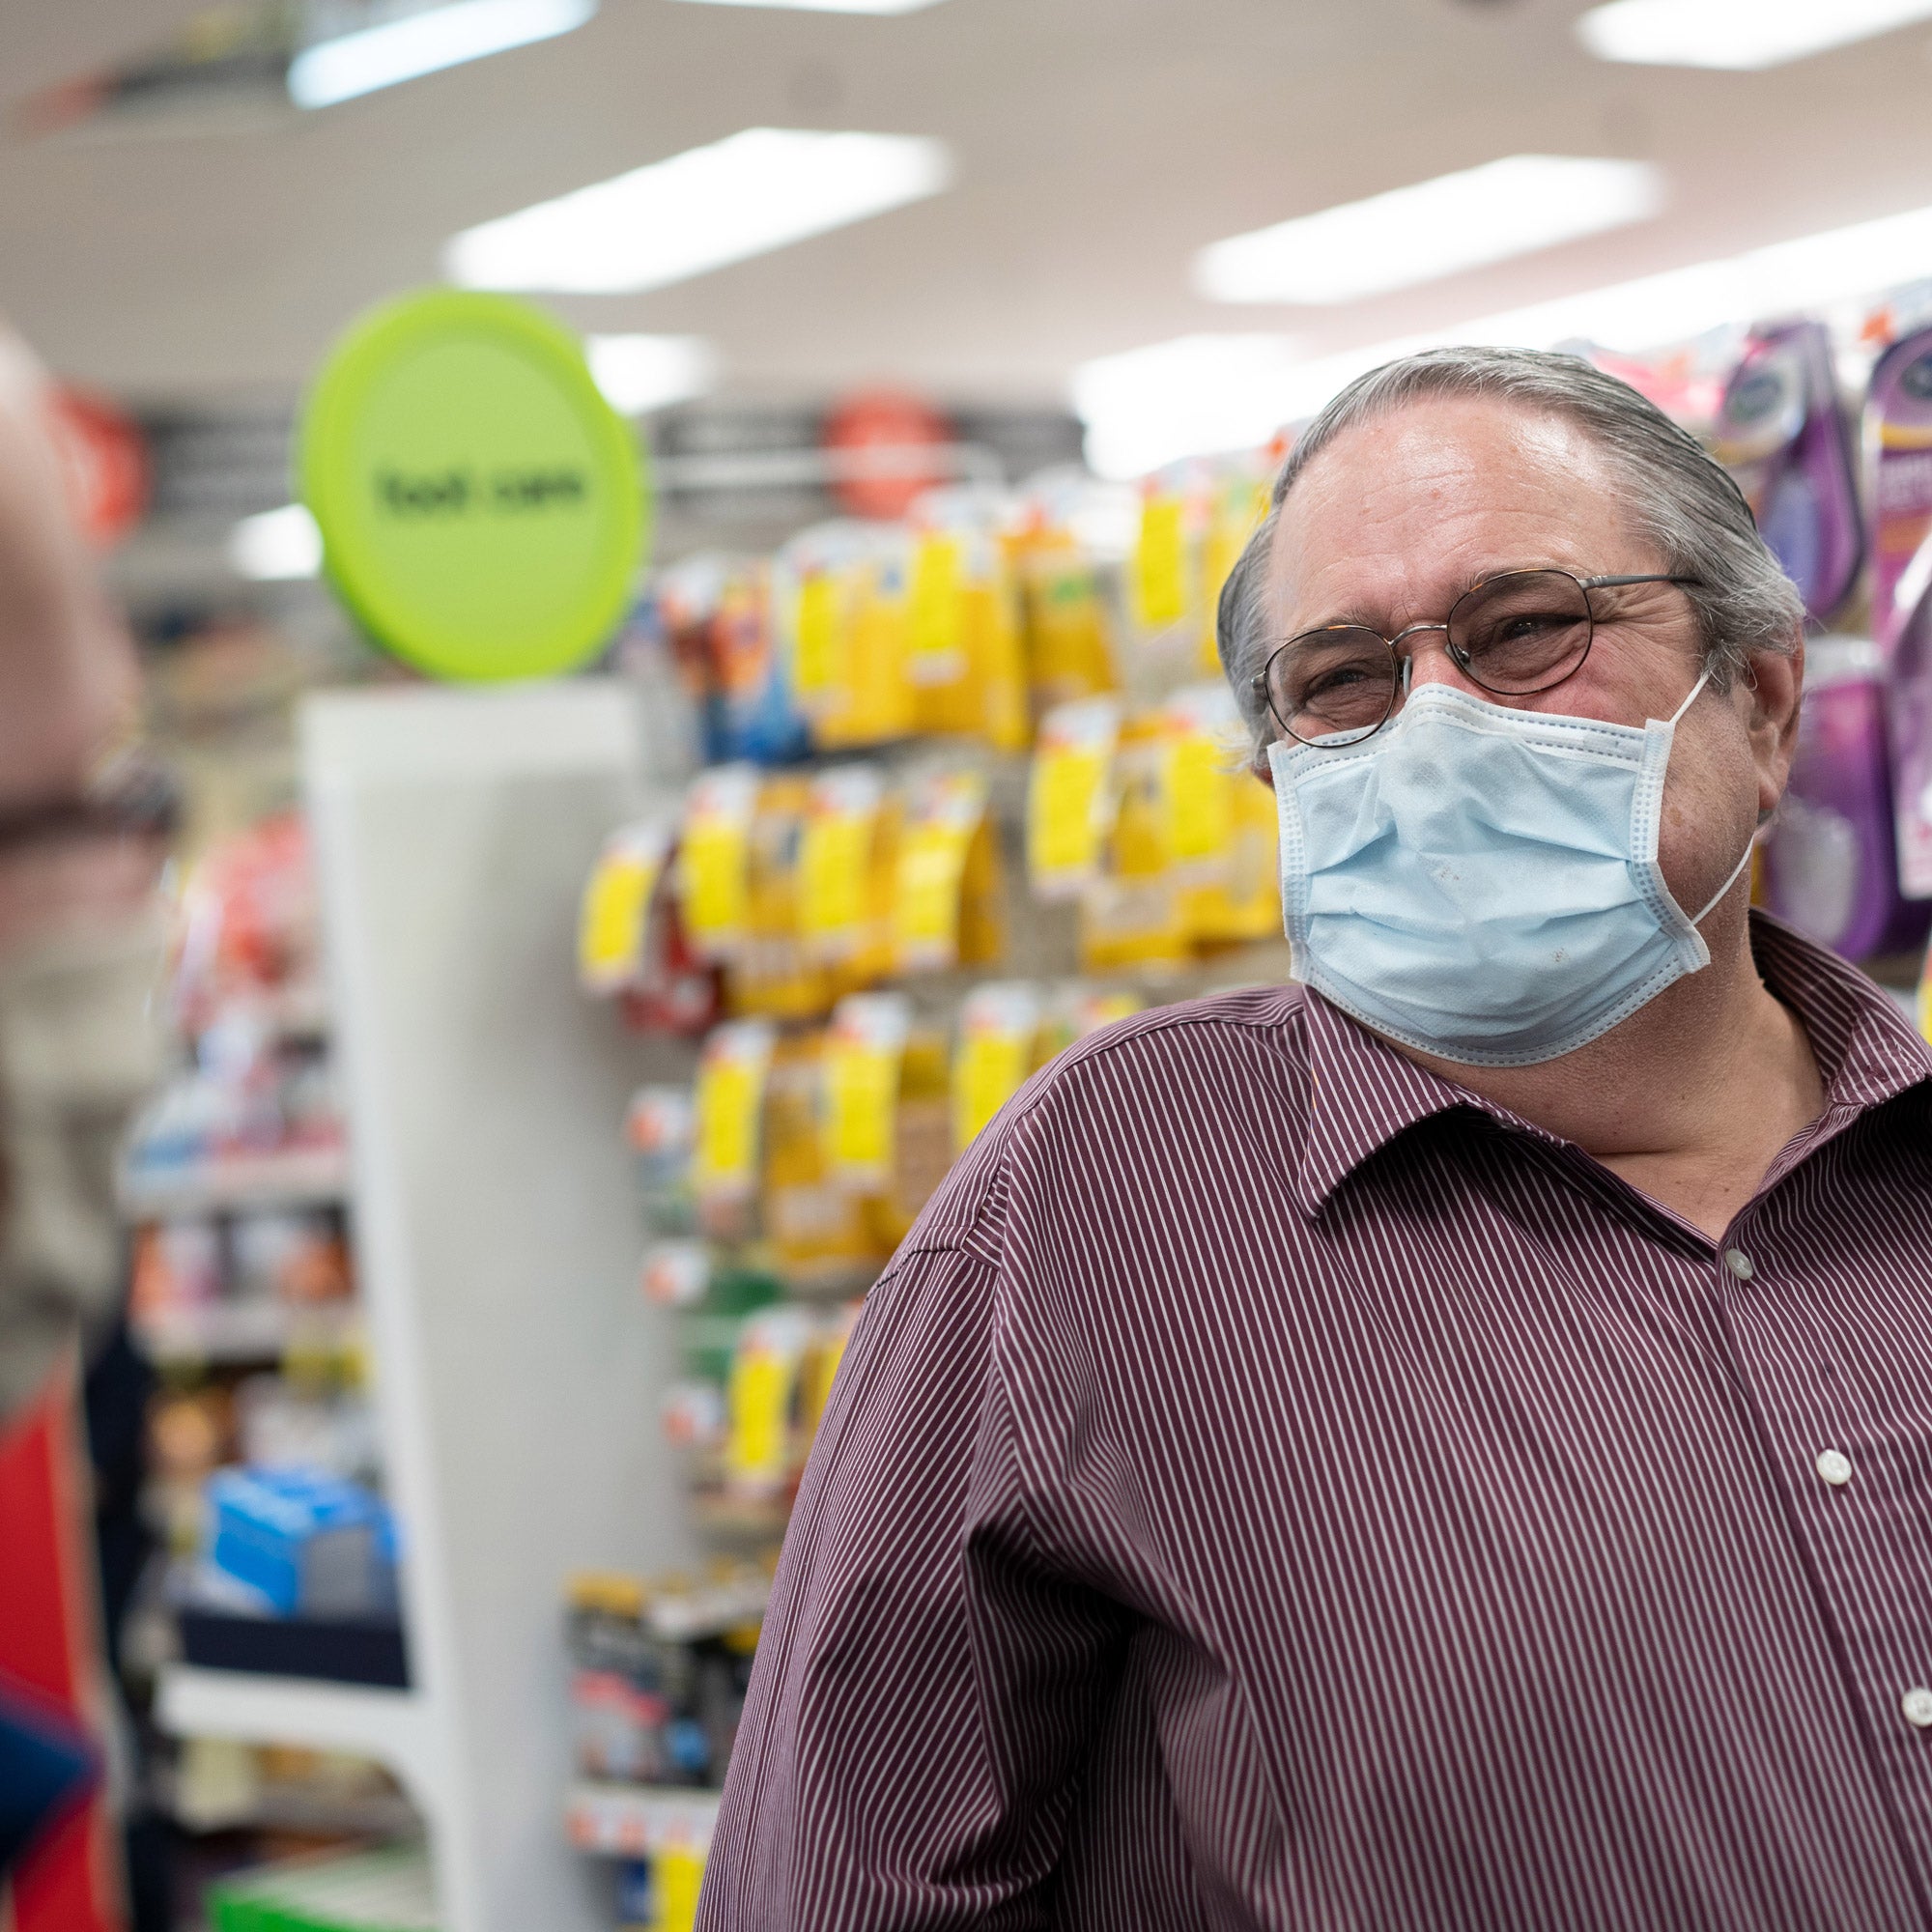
1099	144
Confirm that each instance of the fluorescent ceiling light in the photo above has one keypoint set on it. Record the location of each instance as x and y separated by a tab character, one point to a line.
1204	411
754	191
637	373
1433	228
1149	407
424	42
832	6
1737	34
277	545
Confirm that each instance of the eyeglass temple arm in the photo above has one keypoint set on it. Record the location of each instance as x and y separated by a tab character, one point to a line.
1646	577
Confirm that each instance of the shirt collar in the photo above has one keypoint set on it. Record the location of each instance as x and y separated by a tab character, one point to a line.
1363	1092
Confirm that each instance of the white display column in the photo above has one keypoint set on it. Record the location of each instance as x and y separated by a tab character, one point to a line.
518	1370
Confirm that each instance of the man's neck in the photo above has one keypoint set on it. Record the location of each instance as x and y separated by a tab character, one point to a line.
1690	1100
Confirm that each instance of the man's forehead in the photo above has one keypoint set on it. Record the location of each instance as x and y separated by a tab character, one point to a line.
1439	492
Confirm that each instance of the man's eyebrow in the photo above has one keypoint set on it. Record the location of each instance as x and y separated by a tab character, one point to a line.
1373	624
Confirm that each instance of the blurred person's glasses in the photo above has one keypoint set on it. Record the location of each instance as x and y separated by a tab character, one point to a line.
133	796
1516	633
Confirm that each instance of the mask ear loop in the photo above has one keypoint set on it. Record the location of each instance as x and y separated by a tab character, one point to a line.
1691	699
1711	905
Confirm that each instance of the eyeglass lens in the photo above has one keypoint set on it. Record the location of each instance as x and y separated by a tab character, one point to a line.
1516	633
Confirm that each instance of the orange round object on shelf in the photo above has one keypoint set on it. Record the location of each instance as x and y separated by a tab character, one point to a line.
885	420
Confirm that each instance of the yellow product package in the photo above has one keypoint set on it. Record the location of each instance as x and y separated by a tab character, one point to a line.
966	658
817	1229
762	1446
841	595
732	1072
1239	500
922	1135
997	1025
996	649
614	924
1163	575
1069	796
1130	915
814	585
772	971
677	1871
1200	748
1222	823
1070	643
880	701
937	664
844	901
947	882
859	1097
1251	908
714	859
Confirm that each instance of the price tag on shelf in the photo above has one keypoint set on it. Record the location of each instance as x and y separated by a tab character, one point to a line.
731	1076
714	858
859	1074
1066	794
997	1025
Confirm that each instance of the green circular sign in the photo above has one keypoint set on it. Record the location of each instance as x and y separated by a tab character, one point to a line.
482	507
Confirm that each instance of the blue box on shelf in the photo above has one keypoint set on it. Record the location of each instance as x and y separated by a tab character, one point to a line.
302	1542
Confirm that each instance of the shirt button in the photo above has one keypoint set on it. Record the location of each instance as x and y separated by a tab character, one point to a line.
1916	1704
1739	1262
1835	1466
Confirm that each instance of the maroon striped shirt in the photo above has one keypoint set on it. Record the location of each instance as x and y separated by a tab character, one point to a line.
1275	1488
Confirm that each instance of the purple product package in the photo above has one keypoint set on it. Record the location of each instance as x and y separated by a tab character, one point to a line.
1898	458
1781	433
1909	704
1831	864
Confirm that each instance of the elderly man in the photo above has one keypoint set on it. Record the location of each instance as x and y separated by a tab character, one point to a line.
1448	1444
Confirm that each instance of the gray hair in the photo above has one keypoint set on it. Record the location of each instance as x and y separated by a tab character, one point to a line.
1684	501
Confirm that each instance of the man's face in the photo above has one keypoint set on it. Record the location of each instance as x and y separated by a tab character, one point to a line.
1398	516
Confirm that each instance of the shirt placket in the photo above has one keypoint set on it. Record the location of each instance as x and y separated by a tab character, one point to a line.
1838	1465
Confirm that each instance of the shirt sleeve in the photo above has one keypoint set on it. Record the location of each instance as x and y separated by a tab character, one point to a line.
927	1684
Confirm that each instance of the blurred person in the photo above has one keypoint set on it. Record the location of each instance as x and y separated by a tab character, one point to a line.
1447	1443
82	832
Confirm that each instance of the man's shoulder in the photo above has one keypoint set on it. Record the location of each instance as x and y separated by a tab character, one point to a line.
1125	1100
1221	1029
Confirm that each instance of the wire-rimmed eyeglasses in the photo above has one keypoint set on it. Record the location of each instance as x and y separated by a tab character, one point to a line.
1514	634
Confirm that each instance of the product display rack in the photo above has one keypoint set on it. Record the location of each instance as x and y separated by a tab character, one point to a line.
292	1178
635	1820
515	1368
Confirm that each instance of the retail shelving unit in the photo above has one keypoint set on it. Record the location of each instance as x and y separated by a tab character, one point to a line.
517	1371
633	1821
297	1177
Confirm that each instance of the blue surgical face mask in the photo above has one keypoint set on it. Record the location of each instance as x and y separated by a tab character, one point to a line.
1482	883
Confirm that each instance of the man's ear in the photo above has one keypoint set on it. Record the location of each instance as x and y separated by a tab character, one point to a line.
1774	685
